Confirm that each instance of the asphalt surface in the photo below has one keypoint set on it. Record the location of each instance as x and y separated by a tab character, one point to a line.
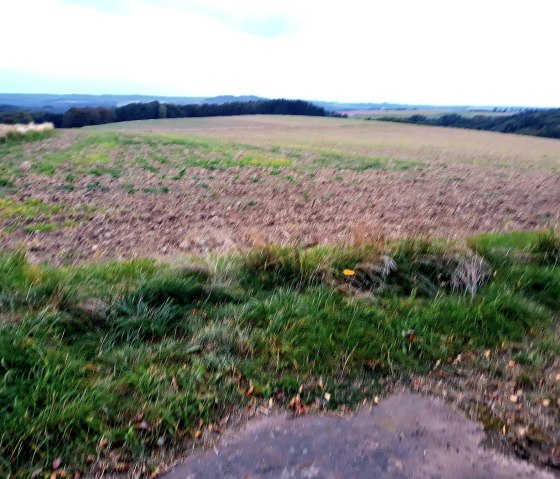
406	436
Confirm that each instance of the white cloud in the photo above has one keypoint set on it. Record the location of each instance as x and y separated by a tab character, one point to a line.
434	51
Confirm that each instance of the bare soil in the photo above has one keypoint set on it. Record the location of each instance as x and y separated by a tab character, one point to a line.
144	213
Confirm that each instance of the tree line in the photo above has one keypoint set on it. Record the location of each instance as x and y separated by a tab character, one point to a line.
544	123
86	116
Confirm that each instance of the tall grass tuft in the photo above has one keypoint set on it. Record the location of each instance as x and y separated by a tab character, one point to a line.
31	131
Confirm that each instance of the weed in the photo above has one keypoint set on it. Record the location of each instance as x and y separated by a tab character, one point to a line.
180	175
96	186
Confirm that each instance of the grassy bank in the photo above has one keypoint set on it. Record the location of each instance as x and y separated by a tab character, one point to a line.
138	356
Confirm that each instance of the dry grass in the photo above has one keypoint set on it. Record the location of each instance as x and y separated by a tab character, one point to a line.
15	131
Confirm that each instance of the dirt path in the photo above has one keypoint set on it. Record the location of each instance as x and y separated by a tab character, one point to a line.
406	436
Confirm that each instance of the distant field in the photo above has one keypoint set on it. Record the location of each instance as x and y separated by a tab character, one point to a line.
164	187
349	137
375	114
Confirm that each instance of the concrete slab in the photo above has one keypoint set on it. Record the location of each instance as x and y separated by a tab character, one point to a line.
406	436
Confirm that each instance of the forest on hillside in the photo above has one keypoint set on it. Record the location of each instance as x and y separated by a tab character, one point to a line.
544	123
86	116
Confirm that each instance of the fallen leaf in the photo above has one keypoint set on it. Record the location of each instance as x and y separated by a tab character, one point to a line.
511	363
487	353
56	463
296	404
327	397
198	434
349	272
514	398
546	402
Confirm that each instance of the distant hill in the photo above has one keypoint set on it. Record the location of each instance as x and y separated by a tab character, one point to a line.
61	103
221	99
341	107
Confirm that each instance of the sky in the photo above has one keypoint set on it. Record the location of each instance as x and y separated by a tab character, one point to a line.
441	52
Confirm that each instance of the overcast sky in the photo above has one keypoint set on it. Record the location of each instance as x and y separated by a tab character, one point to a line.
477	52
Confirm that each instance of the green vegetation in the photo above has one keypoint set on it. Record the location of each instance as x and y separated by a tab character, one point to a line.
101	153
135	356
543	122
12	209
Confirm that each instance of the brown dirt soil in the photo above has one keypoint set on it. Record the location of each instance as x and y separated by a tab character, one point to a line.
143	212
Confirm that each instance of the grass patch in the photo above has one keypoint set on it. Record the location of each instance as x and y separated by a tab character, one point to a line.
46	227
10	209
171	346
344	161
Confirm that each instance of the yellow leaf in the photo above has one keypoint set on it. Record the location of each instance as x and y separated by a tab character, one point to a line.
349	272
